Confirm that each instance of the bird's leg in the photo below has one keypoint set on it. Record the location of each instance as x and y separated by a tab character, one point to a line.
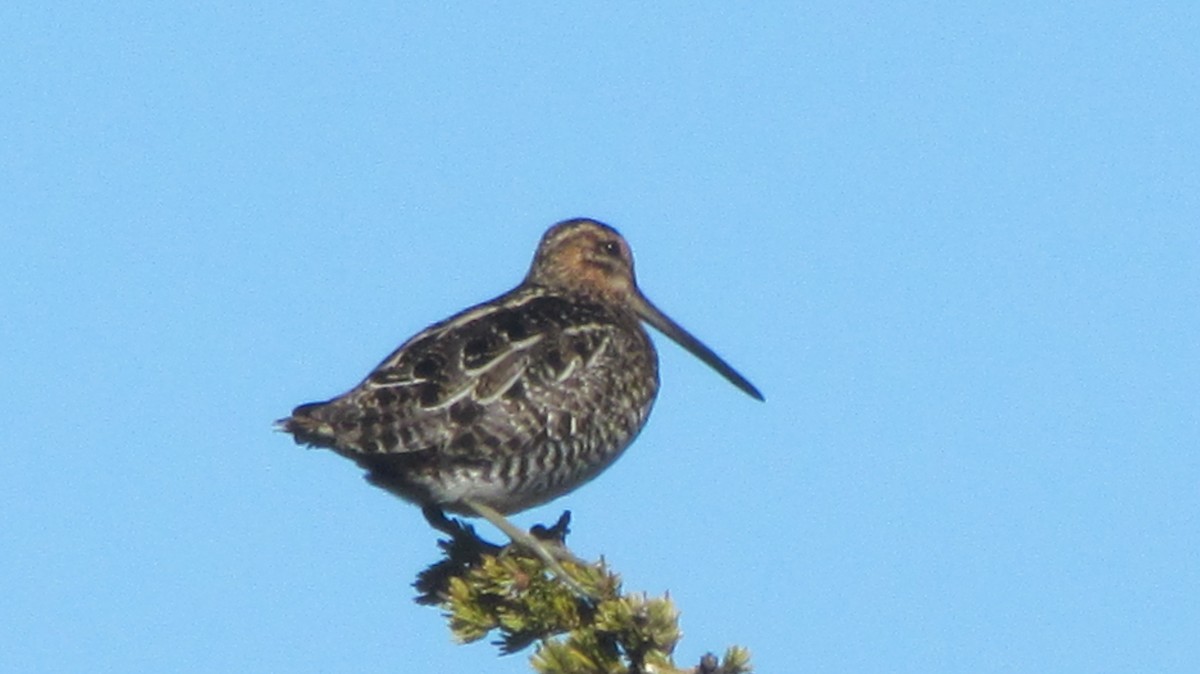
438	520
460	534
529	542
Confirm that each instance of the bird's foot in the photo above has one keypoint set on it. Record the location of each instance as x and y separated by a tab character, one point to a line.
550	549
463	538
554	538
557	533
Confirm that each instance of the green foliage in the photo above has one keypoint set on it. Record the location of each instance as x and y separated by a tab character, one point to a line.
484	589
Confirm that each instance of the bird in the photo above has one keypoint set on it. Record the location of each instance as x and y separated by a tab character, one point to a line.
516	401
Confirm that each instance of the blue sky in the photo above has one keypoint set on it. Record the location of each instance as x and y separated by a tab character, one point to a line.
957	249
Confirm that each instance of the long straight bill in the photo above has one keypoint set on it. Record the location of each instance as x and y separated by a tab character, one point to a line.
670	328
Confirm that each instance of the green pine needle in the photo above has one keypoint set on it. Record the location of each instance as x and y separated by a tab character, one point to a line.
512	596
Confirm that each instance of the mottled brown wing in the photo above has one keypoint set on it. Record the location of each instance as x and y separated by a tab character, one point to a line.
492	379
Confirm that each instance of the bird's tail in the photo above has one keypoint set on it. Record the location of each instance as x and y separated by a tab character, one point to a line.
307	425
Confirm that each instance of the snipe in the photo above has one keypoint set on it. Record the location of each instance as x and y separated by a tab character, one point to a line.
515	401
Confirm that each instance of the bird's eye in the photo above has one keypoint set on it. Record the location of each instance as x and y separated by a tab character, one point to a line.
610	248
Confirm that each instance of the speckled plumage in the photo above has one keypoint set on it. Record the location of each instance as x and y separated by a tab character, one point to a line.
515	401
